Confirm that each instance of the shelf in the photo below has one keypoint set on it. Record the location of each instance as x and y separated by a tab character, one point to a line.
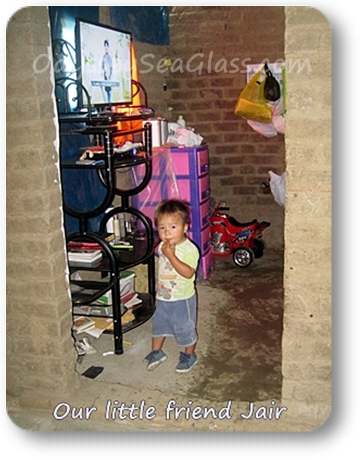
119	161
85	292
125	258
106	126
105	119
142	312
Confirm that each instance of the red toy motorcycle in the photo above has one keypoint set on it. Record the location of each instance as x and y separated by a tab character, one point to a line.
241	240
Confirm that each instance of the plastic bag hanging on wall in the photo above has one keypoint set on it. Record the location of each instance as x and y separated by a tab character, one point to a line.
277	124
277	187
272	90
251	103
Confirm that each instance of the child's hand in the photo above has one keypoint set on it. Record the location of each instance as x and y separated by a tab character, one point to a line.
168	248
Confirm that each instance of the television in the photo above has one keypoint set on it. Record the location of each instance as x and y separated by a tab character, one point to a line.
104	63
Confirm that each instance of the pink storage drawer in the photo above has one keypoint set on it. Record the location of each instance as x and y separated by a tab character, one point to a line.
194	191
202	237
202	215
191	162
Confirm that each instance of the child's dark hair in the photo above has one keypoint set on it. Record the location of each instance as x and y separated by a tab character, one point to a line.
172	206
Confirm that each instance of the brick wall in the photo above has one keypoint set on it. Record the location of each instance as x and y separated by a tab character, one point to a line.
203	86
307	273
39	349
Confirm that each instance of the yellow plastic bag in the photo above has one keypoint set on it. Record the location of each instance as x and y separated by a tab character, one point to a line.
251	103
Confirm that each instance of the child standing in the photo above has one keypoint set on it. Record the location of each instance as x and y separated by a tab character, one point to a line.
175	313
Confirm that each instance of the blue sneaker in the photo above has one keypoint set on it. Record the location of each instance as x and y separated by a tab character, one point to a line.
186	362
154	358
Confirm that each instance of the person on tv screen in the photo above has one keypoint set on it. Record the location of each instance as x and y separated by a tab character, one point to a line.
107	68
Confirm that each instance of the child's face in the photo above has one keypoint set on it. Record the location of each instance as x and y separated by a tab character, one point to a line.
171	228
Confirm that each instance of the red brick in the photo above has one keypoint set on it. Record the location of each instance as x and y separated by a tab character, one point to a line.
222	34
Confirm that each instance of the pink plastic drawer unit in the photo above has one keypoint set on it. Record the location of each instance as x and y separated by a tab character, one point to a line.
201	237
202	217
191	162
206	266
187	162
181	173
194	191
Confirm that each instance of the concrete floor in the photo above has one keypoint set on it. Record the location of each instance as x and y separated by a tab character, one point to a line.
239	360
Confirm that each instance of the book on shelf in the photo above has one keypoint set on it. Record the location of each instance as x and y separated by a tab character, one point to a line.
84	253
133	301
89	245
83	323
101	324
85	256
93	310
127	288
84	263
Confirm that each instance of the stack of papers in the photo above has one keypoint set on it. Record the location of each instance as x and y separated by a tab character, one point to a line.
83	324
85	256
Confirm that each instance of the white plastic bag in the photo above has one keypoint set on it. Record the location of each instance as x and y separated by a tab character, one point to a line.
278	119
265	129
278	187
185	137
277	125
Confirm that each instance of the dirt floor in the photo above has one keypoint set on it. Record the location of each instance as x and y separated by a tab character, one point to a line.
240	319
239	350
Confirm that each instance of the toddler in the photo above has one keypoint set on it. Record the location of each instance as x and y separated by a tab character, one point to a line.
176	309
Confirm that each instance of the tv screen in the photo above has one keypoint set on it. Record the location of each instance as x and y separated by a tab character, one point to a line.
104	63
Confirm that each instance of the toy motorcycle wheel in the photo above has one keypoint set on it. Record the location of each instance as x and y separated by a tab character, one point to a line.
259	248
243	257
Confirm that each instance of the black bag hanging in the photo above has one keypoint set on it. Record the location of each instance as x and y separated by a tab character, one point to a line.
272	90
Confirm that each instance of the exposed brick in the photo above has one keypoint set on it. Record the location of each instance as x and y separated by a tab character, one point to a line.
235	137
212	139
246	169
207	116
215	161
232	148
222	82
233	180
244	190
233	127
212	94
221	171
247	148
202	105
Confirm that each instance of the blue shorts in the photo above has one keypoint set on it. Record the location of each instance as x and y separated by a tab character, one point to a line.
176	319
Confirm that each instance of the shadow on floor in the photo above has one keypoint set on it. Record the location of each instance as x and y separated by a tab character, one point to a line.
240	323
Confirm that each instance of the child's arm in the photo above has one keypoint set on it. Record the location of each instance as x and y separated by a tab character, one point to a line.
182	268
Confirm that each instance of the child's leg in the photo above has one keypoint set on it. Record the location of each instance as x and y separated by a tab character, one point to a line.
190	350
157	343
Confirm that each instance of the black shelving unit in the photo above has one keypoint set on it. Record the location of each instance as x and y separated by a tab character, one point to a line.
102	127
